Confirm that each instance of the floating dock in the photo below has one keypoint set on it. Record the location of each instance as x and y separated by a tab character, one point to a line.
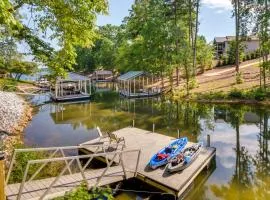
150	143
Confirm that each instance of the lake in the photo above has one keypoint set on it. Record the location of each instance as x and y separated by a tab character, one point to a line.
240	134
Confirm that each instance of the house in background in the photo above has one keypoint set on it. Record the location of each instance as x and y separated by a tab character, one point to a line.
222	44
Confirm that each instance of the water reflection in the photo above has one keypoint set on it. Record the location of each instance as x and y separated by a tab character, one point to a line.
240	133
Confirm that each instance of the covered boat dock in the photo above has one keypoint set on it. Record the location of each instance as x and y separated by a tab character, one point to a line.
73	88
137	84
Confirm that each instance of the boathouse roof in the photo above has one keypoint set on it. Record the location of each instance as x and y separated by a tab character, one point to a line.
130	75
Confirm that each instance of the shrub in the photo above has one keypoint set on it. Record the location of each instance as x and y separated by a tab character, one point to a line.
259	95
82	193
235	93
239	78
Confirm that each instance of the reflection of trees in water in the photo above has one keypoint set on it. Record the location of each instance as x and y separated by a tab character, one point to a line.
262	159
111	112
251	176
184	116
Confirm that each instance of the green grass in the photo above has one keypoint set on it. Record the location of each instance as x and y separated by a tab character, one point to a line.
236	94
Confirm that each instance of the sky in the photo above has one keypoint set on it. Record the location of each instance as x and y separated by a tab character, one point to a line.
215	17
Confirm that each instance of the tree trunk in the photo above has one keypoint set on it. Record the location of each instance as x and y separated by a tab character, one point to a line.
190	25
195	37
237	167
236	11
176	41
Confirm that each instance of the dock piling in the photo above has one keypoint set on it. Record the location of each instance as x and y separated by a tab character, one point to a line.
208	141
153	127
178	133
133	123
2	176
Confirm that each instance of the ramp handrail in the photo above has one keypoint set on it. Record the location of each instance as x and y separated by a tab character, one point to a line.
71	159
55	151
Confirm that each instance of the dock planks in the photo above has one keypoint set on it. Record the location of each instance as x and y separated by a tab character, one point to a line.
35	189
150	143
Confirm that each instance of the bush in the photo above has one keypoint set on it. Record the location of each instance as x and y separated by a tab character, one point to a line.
213	95
259	95
239	78
82	193
235	93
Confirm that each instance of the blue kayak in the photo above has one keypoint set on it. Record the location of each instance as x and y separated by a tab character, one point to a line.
162	157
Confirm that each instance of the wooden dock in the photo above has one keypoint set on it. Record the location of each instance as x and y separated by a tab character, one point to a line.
34	189
150	143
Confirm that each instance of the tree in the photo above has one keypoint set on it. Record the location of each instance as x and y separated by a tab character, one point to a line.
103	53
195	37
68	23
205	54
19	67
262	27
237	27
231	56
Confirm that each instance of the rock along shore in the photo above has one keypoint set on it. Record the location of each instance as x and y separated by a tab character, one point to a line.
15	113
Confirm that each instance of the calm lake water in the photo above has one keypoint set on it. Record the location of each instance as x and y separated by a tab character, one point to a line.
240	134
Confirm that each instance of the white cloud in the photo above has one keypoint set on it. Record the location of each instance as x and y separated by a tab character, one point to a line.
218	4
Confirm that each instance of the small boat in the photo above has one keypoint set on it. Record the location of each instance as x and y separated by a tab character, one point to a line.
162	157
184	158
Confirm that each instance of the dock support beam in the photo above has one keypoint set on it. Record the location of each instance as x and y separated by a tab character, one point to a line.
208	141
2	176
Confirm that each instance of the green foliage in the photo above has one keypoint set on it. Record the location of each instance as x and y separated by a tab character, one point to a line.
8	84
68	23
236	94
260	94
103	54
212	96
52	169
239	78
232	50
205	54
82	193
101	193
252	94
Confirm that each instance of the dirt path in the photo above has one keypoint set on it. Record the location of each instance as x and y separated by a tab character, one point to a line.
223	78
217	71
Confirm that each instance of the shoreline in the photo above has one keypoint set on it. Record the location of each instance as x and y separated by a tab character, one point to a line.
15	114
231	101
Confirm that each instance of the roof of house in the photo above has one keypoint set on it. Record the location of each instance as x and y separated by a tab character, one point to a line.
231	38
130	75
103	72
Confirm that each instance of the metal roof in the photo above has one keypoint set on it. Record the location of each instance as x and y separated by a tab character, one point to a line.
103	72
76	77
130	75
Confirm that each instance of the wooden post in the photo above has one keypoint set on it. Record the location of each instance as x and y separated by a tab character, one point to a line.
208	141
133	123
153	127
134	85
2	176
178	133
90	87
